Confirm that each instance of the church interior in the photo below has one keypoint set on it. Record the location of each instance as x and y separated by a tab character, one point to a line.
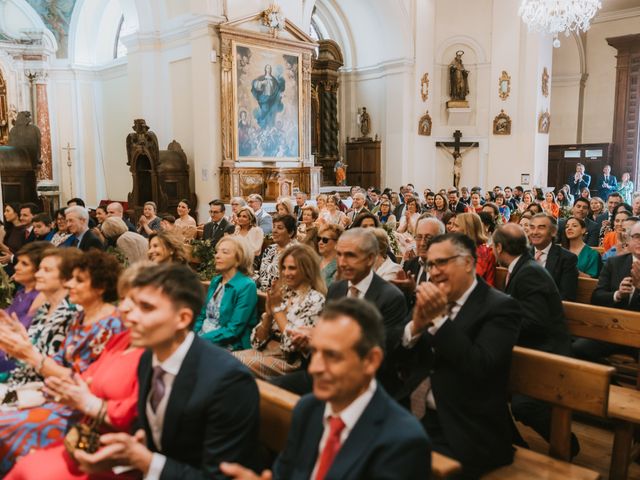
178	103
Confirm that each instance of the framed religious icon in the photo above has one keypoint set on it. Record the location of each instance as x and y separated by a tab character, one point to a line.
524	179
544	121
545	82
267	103
504	85
424	87
502	124
425	124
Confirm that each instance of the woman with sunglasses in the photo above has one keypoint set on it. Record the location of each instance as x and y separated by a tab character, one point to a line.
327	240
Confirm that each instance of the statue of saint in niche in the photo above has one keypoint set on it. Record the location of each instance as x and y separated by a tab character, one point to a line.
364	121
458	82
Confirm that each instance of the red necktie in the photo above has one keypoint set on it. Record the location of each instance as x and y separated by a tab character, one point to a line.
331	448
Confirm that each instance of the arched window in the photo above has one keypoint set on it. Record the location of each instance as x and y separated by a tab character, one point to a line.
119	49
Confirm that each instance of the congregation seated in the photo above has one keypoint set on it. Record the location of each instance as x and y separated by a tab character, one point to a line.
384	267
475	204
560	263
166	247
283	233
27	299
107	391
622	247
280	339
605	220
133	245
614	238
246	228
455	357
589	261
470	225
90	321
219	226
349	427
328	236
333	214
14	237
185	224
357	207
149	221
229	313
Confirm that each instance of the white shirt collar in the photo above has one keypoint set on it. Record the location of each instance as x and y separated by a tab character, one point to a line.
546	249
364	284
463	298
353	412
512	265
172	364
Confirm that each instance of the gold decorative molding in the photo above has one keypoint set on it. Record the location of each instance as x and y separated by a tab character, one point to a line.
504	85
502	124
545	82
424	87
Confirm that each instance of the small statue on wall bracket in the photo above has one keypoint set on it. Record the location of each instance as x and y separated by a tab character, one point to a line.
364	122
340	171
458	82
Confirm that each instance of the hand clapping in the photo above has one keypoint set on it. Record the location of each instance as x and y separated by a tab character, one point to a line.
14	338
431	302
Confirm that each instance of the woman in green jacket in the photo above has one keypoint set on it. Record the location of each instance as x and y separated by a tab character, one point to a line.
229	313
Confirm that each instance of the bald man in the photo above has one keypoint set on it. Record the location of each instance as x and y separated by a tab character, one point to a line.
115	209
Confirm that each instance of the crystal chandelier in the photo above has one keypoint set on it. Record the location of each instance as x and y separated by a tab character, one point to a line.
557	16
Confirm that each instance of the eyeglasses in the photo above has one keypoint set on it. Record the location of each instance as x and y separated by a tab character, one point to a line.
440	262
325	239
419	238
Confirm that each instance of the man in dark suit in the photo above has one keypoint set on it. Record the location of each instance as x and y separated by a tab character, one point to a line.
350	428
77	223
460	339
581	209
357	250
115	209
607	183
358	207
455	205
218	226
192	416
606	217
543	327
398	212
27	212
301	201
560	263
578	181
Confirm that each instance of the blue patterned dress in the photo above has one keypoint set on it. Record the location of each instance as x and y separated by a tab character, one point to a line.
38	427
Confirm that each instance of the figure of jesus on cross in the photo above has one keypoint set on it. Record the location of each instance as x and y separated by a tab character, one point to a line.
457	154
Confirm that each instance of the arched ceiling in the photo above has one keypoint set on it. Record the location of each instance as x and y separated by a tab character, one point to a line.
56	15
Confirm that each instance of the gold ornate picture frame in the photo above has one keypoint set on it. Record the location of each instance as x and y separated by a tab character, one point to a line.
425	124
502	124
424	87
504	85
544	122
545	82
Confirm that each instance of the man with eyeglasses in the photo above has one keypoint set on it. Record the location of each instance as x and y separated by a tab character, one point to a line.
218	226
471	329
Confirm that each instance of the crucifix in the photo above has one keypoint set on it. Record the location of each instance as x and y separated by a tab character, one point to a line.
457	154
68	148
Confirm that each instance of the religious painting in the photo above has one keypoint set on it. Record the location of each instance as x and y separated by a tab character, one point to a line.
502	124
544	122
504	85
524	178
545	82
424	87
267	103
424	125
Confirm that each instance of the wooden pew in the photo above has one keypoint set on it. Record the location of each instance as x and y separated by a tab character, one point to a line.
586	286
276	407
568	385
621	327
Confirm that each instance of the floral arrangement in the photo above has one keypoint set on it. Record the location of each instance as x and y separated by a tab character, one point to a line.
393	240
203	255
119	254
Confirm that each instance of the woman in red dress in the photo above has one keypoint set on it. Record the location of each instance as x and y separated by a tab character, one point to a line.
471	225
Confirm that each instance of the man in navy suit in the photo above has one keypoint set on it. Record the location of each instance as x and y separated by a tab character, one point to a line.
263	219
578	180
350	428
607	183
197	405
78	225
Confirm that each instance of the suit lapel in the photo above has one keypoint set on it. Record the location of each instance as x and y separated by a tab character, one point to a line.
309	450
469	311
552	258
372	293
523	259
144	379
181	390
360	440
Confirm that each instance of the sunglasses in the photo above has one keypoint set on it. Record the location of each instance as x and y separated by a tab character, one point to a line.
325	239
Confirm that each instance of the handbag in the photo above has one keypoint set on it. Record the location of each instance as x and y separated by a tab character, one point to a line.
85	436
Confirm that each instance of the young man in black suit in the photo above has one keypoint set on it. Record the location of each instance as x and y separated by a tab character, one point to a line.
350	428
78	225
198	406
543	327
218	226
455	205
27	212
581	209
459	342
559	262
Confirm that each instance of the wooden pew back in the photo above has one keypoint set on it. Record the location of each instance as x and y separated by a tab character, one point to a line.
612	325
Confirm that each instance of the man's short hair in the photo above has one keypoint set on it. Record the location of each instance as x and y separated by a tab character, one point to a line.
583	200
42	218
255	196
81	212
217	203
552	220
612	194
33	208
461	242
169	218
176	281
78	201
366	240
428	218
513	243
519	189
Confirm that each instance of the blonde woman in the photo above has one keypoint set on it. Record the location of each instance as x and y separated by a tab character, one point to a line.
133	245
332	213
166	247
294	303
284	206
471	225
384	267
246	228
321	202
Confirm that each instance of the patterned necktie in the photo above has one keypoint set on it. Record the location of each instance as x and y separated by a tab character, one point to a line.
354	292
331	448
539	256
157	388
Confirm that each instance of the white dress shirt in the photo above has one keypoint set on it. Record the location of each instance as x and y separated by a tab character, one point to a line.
545	253
409	341
171	367
362	286
349	417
